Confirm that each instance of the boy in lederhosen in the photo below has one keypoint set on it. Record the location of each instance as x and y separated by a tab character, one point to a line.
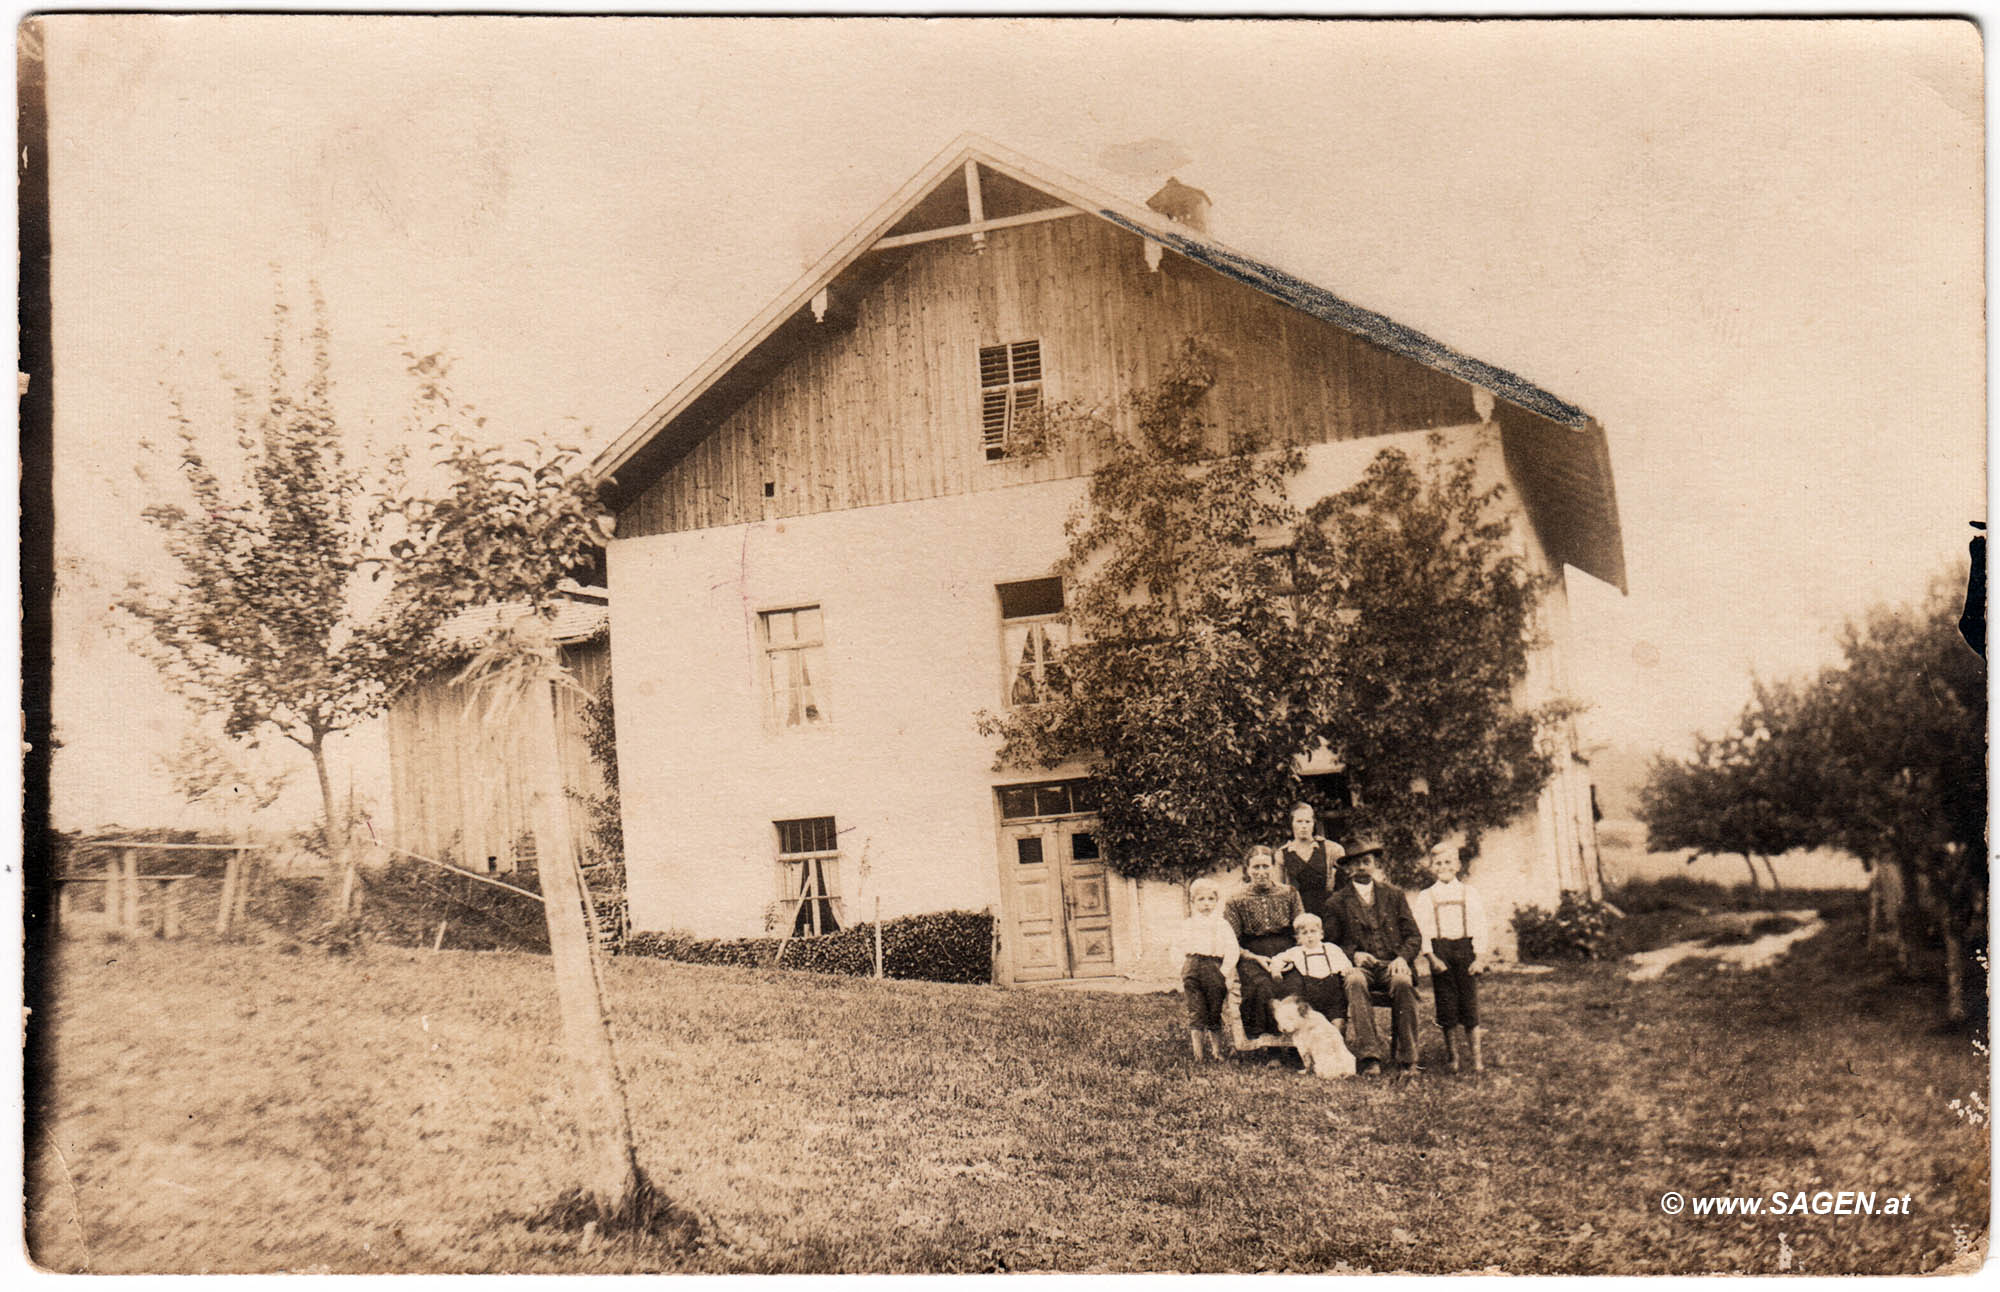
1312	970
1453	922
1205	948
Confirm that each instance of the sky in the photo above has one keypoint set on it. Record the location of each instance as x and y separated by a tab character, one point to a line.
1754	252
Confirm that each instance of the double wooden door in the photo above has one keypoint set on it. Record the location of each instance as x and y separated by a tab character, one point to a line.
1061	899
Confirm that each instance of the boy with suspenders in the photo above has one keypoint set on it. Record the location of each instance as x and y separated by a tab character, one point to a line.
1454	925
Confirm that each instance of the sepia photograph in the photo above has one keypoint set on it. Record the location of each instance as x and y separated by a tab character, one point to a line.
933	646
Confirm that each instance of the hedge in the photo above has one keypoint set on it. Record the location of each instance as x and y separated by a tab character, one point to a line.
945	946
1579	929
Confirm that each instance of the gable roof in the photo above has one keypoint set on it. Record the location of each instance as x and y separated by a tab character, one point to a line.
879	244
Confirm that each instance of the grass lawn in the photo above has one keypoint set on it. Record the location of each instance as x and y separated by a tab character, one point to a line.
230	1108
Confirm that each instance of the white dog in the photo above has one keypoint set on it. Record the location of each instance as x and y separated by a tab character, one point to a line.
1318	1041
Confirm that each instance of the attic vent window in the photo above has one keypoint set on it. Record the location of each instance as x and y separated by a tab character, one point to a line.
1010	389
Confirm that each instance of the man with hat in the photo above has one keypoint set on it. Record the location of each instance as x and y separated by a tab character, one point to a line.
1370	920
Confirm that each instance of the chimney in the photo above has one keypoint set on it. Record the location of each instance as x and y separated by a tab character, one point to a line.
1181	204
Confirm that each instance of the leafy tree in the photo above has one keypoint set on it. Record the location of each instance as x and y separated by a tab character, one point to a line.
483	525
278	620
264	625
273	624
1749	791
1187	686
1218	636
1900	746
1882	755
1413	587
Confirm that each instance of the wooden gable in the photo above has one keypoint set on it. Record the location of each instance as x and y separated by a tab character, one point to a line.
886	406
862	385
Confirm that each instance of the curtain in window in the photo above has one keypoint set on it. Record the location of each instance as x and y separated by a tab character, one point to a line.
1035	652
816	900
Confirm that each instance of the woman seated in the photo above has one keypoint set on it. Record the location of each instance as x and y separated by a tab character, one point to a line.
1261	917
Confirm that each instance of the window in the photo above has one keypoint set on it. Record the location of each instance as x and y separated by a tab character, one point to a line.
1332	797
1280	566
1010	388
1033	637
1049	798
809	874
795	666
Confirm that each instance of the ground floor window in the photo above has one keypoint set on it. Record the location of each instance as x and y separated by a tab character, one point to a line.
809	874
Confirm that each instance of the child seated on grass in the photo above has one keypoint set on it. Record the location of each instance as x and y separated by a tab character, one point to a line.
1312	969
1206	947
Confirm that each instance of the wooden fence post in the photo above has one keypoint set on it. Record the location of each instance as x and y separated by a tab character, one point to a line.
128	915
170	908
246	875
231	877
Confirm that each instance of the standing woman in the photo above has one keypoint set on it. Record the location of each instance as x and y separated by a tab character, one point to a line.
1309	860
1261	917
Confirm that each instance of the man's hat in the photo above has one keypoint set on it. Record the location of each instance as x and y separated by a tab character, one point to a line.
1365	846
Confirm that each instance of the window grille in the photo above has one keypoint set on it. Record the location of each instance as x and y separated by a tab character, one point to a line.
809	874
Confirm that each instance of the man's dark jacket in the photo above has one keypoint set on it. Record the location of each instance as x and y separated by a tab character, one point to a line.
1385	929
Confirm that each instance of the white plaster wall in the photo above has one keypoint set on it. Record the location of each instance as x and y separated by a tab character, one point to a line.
913	654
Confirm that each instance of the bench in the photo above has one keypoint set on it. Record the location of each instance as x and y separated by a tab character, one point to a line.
1241	1042
122	907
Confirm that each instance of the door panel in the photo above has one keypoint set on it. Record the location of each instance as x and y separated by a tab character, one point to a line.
1037	887
1087	890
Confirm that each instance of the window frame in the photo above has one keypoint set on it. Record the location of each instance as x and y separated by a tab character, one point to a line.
1080	792
793	872
996	448
1056	649
768	691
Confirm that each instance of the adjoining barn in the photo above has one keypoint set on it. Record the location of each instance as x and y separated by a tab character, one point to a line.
829	560
458	776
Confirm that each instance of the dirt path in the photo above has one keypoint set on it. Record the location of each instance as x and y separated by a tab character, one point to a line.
1741	955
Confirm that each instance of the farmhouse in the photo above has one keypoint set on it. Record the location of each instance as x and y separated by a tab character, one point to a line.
458	775
830	559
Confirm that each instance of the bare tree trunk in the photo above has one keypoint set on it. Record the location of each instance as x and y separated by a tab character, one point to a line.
339	855
610	1168
1872	929
1954	969
1751	862
1771	865
1915	908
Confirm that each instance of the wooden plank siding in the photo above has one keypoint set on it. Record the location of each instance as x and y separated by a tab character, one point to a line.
887	409
457	779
